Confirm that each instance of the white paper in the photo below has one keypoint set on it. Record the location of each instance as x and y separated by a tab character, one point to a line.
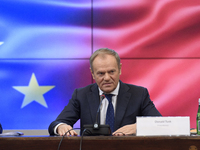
154	126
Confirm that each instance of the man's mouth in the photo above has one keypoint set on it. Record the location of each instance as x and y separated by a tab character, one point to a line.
107	84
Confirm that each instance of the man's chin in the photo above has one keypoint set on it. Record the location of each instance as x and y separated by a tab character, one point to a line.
107	90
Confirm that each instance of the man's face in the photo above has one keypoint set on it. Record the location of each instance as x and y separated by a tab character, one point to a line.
106	72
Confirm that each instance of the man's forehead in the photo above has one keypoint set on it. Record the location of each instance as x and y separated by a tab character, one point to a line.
103	56
104	63
107	62
102	59
105	69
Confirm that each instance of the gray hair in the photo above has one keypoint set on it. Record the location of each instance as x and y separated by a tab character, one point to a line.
103	51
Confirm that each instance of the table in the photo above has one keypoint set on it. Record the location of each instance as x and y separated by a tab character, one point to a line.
101	143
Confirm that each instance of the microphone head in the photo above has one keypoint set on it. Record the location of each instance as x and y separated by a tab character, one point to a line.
103	96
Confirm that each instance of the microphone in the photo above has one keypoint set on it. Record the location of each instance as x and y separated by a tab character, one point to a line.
96	128
96	124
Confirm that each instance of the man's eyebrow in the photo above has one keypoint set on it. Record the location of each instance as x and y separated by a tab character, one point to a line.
112	70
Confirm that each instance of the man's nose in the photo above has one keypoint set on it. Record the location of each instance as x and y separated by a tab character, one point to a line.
107	76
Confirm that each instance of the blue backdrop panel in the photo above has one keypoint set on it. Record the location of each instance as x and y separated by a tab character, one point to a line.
60	76
45	29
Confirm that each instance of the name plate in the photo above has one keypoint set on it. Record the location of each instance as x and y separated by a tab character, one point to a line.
154	126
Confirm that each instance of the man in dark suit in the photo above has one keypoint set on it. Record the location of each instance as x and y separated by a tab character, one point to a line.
128	101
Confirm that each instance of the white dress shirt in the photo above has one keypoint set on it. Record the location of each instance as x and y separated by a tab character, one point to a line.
105	103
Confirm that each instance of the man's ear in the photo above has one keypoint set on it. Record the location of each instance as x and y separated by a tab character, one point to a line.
92	73
120	69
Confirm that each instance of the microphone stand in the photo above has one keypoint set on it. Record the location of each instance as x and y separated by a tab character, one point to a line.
96	128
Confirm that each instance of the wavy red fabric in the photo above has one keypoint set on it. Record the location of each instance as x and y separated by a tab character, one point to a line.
159	43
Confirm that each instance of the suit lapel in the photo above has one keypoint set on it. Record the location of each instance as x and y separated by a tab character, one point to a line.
122	103
93	101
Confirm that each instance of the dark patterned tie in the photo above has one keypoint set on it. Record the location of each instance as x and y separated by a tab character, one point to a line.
110	117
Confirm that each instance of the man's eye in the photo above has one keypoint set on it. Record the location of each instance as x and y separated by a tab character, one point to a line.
100	73
112	71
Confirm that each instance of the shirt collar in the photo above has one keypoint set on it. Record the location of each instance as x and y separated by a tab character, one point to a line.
115	92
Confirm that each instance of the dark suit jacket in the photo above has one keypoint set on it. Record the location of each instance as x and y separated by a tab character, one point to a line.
1	129
132	101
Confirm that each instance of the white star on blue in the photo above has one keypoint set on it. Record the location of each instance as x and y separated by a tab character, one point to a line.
33	92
